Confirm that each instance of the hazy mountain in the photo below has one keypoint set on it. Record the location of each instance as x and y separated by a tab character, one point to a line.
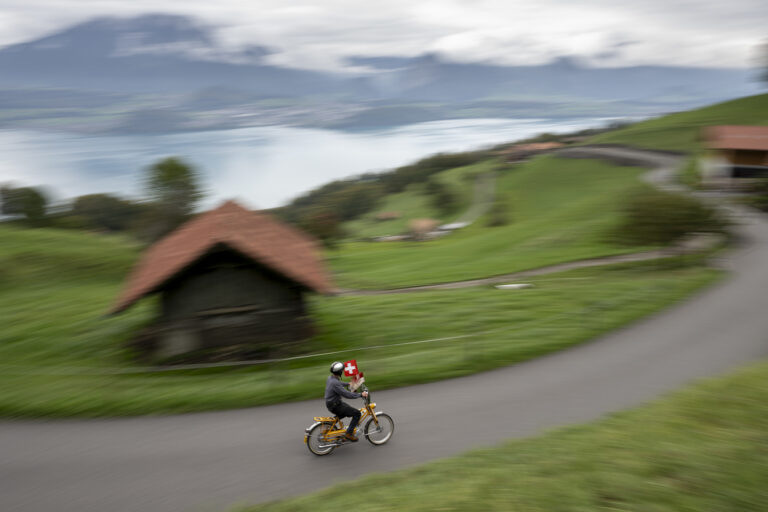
430	78
153	53
165	73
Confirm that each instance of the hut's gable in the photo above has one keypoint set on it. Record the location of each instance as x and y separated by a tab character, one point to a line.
277	247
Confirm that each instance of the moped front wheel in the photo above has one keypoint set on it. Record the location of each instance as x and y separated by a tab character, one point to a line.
317	442
380	433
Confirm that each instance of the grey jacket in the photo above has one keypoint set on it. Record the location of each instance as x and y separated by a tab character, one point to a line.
335	389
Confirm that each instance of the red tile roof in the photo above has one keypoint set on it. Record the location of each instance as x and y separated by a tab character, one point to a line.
737	137
256	235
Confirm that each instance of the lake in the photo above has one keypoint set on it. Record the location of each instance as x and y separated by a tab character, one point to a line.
262	166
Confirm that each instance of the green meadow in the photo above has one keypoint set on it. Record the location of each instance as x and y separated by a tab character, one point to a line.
415	203
60	356
560	209
681	131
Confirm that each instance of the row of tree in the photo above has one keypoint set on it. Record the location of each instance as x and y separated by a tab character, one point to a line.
172	191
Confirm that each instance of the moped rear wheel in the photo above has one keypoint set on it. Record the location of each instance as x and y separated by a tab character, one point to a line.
316	441
379	434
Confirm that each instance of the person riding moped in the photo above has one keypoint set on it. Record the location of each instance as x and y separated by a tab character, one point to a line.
335	389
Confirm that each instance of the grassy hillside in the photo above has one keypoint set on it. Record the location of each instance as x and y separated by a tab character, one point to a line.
414	203
680	132
704	448
59	356
560	209
55	287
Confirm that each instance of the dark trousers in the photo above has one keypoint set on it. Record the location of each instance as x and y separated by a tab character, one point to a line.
343	410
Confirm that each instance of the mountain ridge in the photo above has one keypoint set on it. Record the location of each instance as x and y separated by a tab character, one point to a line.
174	63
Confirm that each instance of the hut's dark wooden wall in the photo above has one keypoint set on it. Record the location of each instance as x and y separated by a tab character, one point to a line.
224	280
227	300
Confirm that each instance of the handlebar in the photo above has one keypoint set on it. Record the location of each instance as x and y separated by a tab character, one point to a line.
367	399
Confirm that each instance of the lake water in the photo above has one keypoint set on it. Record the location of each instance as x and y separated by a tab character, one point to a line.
263	167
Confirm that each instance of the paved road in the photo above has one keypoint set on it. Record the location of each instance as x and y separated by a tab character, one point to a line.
207	462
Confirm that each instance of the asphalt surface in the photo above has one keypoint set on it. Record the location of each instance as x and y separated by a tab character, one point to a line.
211	461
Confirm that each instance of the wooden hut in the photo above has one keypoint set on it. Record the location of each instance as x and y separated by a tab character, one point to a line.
735	154
232	284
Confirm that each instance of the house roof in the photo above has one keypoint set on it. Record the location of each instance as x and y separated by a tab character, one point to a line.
753	138
256	235
533	146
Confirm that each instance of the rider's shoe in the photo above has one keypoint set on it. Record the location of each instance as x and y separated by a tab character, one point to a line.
350	437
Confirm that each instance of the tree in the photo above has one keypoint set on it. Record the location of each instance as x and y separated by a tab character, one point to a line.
173	190
499	214
104	211
762	62
171	182
654	217
324	225
444	199
27	201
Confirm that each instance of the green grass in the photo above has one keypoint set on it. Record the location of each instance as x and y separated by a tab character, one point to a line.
413	203
57	350
690	174
701	449
681	131
561	210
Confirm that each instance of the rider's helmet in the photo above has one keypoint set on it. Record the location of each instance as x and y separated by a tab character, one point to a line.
337	368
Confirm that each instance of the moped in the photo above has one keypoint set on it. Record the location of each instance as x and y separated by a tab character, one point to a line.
327	432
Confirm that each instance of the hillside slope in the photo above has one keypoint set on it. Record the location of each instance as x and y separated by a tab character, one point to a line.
680	131
560	210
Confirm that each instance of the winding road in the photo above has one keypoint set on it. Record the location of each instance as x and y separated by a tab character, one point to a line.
210	461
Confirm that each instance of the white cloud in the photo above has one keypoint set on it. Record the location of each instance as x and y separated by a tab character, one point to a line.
319	34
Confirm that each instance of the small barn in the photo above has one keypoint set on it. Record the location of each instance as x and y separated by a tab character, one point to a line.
231	284
734	154
525	151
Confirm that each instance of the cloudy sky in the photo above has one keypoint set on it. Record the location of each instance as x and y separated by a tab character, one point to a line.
317	34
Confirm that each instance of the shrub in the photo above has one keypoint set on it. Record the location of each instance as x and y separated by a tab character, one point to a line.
444	199
653	217
499	214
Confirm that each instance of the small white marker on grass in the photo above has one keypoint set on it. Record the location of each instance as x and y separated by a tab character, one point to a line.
518	286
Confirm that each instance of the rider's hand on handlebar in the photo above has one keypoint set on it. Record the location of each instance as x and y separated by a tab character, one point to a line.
365	394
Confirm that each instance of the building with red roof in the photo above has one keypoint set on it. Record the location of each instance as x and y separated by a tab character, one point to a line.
232	284
734	153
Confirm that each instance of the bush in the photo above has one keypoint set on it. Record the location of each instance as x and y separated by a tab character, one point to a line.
499	214
691	174
653	217
444	199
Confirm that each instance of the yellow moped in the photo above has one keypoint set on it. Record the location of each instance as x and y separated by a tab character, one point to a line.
327	432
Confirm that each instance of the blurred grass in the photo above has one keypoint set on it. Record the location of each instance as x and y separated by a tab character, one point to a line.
681	131
56	285
561	210
690	174
413	203
54	334
704	448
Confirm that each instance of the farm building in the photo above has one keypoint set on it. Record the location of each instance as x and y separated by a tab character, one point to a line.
734	154
525	151
231	284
